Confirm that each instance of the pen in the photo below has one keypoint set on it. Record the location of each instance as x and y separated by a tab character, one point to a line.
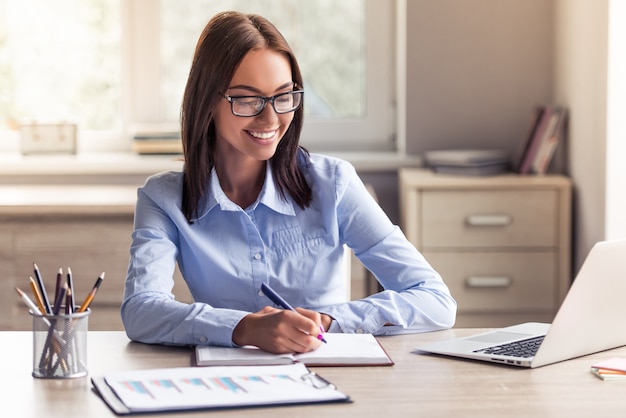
278	300
92	293
42	289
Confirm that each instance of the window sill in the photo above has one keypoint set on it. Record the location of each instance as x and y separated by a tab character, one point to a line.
17	168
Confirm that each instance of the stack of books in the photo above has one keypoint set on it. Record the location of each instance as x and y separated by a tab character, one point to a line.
468	162
545	132
612	369
156	139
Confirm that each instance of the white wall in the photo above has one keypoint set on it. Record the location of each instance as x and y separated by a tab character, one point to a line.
616	122
581	83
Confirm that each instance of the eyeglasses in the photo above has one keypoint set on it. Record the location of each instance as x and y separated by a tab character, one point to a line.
248	106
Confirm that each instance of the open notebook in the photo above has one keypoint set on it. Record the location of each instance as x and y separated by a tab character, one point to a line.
340	350
590	319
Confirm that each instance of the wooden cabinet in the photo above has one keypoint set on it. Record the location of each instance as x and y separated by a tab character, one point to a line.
501	243
87	228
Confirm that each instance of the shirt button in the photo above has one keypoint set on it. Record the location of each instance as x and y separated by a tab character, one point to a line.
258	256
203	339
260	293
359	331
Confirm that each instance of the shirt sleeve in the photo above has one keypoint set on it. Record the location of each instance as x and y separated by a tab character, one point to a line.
149	311
415	297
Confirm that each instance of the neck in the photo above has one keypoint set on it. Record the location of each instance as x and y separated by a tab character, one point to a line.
242	183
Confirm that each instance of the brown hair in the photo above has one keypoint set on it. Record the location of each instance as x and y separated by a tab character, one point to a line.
224	42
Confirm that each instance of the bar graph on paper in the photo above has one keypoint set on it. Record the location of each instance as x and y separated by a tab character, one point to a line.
199	385
214	386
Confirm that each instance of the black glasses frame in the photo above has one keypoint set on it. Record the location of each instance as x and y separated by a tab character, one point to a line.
266	100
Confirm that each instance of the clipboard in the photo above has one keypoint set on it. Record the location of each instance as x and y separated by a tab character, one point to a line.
208	388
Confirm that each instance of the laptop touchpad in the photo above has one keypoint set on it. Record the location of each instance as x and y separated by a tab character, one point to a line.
497	337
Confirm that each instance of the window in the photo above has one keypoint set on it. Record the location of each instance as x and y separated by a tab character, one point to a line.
60	61
114	66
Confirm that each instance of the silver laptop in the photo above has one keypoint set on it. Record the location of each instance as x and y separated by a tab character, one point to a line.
591	319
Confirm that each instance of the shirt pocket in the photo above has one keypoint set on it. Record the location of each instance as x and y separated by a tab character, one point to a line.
291	241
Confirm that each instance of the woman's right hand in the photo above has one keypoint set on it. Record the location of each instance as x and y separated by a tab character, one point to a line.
279	331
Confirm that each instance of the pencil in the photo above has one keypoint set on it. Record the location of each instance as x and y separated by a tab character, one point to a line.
59	300
92	293
70	284
37	295
58	283
42	289
68	302
31	305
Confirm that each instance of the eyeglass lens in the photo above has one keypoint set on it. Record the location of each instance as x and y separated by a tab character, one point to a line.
251	106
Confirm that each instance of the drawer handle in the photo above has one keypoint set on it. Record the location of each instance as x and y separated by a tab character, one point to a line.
488	281
489	220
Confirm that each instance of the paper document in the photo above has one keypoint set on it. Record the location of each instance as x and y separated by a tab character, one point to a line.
190	388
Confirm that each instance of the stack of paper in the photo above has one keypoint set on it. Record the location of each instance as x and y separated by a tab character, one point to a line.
612	369
471	162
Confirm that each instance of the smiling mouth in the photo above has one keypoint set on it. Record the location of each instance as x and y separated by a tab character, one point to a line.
263	135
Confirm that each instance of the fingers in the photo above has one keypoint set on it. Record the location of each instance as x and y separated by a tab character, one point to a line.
279	331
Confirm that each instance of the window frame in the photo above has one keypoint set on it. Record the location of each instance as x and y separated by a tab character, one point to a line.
376	131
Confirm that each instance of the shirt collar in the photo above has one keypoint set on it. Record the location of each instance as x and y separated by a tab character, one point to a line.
269	196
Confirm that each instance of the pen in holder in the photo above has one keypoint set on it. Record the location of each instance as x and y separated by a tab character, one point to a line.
60	345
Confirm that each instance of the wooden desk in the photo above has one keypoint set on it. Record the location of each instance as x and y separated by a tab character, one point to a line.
418	385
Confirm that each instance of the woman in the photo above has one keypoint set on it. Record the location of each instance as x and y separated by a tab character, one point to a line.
251	206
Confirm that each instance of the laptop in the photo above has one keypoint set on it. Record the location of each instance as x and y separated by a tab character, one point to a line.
590	319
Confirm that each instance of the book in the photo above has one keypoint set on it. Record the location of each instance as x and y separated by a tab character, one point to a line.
518	158
611	369
477	170
466	157
340	350
606	374
549	142
539	132
205	388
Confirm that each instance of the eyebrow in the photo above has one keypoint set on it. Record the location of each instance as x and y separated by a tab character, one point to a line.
256	90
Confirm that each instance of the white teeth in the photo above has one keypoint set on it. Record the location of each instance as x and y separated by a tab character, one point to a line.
262	135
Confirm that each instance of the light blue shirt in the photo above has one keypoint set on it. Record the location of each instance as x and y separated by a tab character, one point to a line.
227	252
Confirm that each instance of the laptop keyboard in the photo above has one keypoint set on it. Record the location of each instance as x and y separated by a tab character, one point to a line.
523	348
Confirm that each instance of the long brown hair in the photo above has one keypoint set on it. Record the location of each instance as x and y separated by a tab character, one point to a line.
224	42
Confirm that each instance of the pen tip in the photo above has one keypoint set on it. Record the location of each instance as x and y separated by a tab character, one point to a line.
69	270
102	275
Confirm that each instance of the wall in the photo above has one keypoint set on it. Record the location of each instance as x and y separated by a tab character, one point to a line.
581	83
616	123
475	69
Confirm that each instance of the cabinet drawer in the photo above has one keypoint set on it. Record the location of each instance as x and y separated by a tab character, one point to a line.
482	218
498	282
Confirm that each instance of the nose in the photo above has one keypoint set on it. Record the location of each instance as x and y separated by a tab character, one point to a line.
268	113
